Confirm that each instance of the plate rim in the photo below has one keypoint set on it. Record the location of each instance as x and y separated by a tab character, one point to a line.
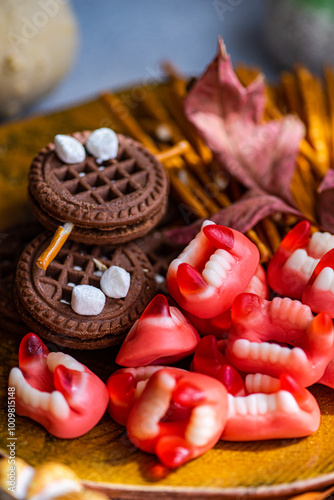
198	493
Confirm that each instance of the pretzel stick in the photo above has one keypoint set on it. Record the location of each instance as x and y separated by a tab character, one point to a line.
329	79
179	149
174	105
58	240
186	195
291	93
210	185
303	188
115	105
197	189
156	108
133	127
178	81
314	119
265	253
246	74
271	232
324	115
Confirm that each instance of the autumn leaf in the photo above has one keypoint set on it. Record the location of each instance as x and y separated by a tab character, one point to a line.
260	155
242	215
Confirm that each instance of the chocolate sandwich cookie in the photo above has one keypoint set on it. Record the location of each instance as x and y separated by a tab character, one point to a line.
108	201
43	297
12	242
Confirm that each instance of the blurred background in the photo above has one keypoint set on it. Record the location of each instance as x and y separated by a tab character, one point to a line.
80	48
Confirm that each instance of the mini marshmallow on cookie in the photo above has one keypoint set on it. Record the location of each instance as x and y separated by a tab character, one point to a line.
87	300
115	282
103	144
68	149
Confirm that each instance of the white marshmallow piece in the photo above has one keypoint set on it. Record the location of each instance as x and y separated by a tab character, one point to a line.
103	144
69	149
115	282
87	300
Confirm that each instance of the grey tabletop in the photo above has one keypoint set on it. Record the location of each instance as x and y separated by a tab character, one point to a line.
123	43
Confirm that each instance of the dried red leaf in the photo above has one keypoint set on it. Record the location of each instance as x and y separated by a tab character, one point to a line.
241	215
229	117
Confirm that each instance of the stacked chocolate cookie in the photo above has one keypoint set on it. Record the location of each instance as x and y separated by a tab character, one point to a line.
112	191
109	202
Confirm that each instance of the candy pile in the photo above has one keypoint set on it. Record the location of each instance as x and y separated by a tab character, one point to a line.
268	351
248	381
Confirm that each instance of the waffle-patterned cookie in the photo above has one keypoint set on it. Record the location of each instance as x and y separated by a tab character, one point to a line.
43	297
12	242
111	202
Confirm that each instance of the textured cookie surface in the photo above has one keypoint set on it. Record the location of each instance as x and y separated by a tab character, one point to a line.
43	297
91	236
126	193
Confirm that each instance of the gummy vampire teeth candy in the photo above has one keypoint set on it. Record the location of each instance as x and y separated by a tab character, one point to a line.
219	325
279	336
318	292
216	266
179	416
288	410
125	386
296	258
208	359
161	335
56	391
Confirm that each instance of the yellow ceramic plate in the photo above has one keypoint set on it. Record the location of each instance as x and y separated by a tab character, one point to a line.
105	457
